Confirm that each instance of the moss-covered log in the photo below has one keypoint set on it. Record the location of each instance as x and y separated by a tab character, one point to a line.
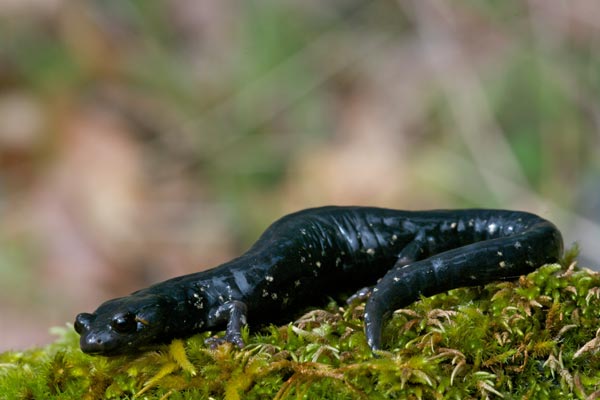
533	338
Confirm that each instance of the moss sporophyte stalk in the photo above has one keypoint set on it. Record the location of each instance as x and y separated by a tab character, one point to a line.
534	338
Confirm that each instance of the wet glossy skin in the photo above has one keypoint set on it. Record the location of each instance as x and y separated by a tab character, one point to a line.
309	255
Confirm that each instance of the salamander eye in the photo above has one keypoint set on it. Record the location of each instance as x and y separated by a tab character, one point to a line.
124	323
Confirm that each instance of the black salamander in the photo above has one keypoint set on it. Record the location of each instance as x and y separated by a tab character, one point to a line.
304	257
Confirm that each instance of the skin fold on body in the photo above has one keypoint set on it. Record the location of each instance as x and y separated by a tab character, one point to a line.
389	257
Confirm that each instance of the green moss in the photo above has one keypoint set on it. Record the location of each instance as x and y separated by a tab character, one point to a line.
533	338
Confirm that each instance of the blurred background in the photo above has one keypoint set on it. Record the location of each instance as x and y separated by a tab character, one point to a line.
140	140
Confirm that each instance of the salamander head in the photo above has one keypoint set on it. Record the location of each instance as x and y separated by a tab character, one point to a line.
126	324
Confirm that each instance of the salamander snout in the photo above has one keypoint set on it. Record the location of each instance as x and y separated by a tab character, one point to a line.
82	322
91	342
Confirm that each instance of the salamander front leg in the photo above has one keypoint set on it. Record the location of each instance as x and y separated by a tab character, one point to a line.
234	312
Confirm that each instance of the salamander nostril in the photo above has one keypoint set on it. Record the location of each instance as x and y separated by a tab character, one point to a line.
92	344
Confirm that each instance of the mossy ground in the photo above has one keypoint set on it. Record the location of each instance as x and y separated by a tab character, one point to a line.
533	338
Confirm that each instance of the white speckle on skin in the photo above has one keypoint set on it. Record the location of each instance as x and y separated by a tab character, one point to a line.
437	263
302	260
492	228
338	261
499	253
502	264
453	225
370	251
198	303
375	290
269	278
318	264
265	293
297	283
303	231
396	279
274	296
473	277
394	238
517	245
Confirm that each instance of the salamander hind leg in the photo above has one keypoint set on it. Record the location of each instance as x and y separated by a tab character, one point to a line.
360	296
410	253
234	313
